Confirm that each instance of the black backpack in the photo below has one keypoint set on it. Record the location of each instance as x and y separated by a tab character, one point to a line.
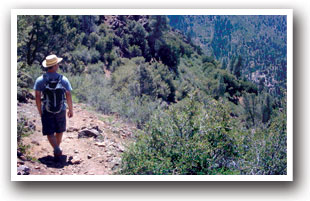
53	94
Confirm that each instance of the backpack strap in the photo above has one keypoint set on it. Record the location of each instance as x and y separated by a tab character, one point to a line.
47	79
60	78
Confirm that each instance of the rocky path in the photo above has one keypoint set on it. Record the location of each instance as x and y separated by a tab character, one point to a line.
92	145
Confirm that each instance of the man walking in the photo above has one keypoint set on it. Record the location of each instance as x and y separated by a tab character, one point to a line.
55	89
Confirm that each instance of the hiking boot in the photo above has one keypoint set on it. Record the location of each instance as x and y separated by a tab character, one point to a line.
57	152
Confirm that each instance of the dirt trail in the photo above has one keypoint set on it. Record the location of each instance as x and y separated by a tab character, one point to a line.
81	156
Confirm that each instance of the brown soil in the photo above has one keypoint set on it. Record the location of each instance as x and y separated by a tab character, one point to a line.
81	156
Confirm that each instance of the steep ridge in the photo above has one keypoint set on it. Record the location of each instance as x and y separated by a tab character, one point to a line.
82	155
259	40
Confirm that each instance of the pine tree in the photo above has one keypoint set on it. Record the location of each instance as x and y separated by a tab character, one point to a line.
231	64
221	87
224	64
158	25
250	107
266	108
238	67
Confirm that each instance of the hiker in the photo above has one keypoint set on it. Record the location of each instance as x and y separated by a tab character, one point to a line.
55	89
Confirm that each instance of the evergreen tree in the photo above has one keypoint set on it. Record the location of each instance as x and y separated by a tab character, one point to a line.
238	67
158	25
38	37
221	87
170	55
224	64
232	64
266	108
88	23
138	37
250	108
261	85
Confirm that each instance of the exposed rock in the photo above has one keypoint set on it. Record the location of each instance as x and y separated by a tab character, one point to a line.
143	21
23	170
35	142
31	125
28	125
97	128
120	148
75	160
22	157
72	129
23	95
88	133
117	161
108	160
20	162
116	164
100	144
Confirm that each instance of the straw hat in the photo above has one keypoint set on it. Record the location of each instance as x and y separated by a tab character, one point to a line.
51	60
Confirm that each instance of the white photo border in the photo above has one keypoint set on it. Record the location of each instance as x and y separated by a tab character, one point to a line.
287	12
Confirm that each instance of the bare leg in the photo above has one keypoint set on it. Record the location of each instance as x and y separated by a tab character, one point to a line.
58	138
52	140
55	141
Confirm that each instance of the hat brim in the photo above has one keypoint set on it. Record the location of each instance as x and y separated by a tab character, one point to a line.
46	66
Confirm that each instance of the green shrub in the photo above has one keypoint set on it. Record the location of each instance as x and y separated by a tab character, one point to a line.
93	38
26	76
135	51
24	129
169	54
266	148
140	78
93	89
137	110
97	68
275	151
188	138
81	53
96	90
94	55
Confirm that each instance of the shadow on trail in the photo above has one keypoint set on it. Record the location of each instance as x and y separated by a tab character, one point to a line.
52	162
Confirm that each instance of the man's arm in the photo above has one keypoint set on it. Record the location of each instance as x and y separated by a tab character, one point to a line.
69	102
38	101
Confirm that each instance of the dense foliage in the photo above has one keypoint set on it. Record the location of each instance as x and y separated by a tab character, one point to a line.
188	138
259	40
197	113
24	128
203	138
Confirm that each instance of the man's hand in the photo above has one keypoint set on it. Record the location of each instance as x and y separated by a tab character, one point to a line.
69	101
38	101
70	113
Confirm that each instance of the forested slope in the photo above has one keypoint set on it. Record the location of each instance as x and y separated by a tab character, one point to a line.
258	40
196	115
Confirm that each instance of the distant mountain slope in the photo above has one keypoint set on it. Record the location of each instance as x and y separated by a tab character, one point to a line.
259	40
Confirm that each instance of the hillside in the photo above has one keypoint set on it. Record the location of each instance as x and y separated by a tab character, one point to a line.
259	40
194	114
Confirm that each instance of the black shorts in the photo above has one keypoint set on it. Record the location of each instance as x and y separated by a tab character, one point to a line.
53	123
